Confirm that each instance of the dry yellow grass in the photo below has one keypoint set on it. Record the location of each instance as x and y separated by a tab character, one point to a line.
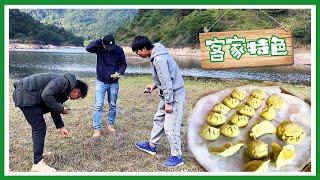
114	152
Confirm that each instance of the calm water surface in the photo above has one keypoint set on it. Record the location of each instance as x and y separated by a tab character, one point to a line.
76	60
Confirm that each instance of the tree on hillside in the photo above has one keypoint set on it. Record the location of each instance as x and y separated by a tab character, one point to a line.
181	27
28	30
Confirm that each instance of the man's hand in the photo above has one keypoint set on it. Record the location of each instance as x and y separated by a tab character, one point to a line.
116	76
168	108
64	132
65	110
150	88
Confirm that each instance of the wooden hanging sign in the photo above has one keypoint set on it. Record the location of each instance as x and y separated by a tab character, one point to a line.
234	49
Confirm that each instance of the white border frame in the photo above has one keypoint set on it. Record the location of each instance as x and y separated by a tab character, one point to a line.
313	88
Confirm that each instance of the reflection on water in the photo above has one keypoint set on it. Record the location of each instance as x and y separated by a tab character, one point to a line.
24	63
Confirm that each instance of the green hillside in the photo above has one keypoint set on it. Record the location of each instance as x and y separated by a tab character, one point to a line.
26	29
87	23
173	27
180	27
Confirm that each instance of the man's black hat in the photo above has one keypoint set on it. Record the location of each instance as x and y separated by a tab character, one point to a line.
109	42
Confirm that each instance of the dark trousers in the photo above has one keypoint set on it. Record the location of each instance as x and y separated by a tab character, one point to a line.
34	116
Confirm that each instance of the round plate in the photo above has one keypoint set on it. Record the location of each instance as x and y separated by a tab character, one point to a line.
296	110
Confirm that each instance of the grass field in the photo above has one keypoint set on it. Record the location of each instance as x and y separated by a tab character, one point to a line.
114	152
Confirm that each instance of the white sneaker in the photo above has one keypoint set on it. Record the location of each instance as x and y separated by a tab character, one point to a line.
42	167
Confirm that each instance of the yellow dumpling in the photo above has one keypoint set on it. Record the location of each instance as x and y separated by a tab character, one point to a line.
209	133
246	110
268	113
254	102
226	150
238	94
256	166
258	93
257	150
221	108
229	130
283	155
260	128
276	101
239	120
276	148
216	119
231	102
290	132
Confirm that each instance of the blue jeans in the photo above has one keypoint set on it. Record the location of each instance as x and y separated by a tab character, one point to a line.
112	92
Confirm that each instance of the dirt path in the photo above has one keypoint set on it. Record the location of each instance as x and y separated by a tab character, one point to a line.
302	58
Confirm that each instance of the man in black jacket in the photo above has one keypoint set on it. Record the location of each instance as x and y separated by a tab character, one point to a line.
39	94
111	65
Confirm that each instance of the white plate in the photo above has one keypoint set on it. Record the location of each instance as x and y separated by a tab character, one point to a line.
296	110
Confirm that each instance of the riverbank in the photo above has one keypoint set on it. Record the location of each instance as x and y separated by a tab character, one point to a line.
115	152
179	52
302	55
37	46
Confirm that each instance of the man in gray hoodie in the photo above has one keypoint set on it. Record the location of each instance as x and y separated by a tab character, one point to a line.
167	78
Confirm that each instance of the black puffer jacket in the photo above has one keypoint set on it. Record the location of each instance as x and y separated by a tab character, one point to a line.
46	90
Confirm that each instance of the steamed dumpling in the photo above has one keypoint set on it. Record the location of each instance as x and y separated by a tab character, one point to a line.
231	102
216	119
283	155
221	108
276	148
260	128
268	113
254	102
276	101
256	166
239	120
290	132
229	130
226	150
209	133
246	110
257	150
238	94
258	93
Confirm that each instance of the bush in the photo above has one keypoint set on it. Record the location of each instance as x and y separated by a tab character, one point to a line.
302	33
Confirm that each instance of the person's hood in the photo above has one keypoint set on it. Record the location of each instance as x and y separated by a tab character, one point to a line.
72	80
157	50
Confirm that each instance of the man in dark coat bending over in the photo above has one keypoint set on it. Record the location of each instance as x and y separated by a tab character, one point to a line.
39	94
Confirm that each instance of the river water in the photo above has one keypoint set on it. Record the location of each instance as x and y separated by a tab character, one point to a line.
24	62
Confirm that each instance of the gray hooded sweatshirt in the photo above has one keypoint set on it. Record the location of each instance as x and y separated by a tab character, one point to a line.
165	73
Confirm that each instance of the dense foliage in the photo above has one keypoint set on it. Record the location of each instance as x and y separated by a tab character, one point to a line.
180	27
88	23
26	29
173	27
